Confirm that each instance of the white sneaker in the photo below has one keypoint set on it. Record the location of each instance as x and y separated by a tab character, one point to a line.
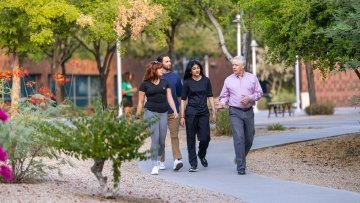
161	165
178	164
155	170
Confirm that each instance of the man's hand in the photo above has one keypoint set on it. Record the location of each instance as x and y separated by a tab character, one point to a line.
246	100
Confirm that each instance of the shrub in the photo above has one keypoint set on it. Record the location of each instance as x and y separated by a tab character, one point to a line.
355	101
326	108
24	148
284	96
101	136
262	103
276	127
223	122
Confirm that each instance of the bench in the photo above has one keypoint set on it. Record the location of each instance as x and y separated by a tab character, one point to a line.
280	107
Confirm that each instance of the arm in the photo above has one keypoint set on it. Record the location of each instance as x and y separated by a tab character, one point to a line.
171	102
224	97
140	105
182	114
256	95
213	110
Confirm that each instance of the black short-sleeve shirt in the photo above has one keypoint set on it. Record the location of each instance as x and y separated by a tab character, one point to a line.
156	100
196	92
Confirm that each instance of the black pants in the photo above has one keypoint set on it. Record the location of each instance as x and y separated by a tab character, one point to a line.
197	125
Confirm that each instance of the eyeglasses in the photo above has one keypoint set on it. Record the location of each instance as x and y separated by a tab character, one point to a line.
155	62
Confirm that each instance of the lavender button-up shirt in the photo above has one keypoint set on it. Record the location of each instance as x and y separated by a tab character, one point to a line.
237	87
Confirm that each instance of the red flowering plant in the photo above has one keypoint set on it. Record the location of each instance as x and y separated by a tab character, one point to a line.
18	135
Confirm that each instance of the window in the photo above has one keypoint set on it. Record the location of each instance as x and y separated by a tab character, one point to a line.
81	89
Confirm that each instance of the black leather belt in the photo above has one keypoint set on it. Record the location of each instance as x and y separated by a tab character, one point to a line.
243	109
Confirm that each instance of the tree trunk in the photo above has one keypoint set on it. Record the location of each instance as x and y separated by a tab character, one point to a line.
15	90
357	73
97	169
311	82
220	33
171	38
247	49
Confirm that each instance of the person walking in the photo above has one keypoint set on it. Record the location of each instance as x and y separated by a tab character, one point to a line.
240	92
173	123
196	90
158	95
127	91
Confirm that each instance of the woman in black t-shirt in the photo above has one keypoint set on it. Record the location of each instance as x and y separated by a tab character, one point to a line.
158	95
196	90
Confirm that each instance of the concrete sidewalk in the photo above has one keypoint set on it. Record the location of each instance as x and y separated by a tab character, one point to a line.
221	175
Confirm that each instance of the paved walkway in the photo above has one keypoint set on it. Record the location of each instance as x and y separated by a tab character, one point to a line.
221	174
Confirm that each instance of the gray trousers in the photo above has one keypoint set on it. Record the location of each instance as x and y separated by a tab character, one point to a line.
158	135
243	131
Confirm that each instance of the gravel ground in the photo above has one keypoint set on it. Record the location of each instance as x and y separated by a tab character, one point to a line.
289	162
331	162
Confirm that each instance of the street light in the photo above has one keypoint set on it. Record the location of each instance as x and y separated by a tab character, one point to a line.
253	48
297	84
118	69
238	33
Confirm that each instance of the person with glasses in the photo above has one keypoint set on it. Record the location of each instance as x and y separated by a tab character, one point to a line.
197	91
158	95
173	123
240	92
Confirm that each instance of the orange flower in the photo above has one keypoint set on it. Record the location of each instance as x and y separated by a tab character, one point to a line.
30	83
46	92
60	79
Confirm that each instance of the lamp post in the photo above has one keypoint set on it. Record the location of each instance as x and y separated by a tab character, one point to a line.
253	48
297	84
238	33
118	69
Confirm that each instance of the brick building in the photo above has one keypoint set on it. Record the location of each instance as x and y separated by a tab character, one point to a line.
337	88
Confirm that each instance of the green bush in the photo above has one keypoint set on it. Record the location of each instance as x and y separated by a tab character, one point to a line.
284	96
25	149
223	122
326	108
262	103
100	136
276	127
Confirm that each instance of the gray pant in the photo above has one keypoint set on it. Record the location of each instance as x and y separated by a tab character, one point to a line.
243	131
159	130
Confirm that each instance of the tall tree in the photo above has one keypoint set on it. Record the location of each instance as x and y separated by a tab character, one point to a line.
104	22
343	34
28	25
289	32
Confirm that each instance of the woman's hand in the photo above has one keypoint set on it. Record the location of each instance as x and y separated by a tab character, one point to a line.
219	106
213	117
176	115
182	121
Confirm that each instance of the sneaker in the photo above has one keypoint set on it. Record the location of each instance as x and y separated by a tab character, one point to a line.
161	165
155	170
241	172
203	161
193	169
178	164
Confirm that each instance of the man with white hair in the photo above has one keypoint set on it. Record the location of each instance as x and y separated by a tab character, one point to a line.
240	92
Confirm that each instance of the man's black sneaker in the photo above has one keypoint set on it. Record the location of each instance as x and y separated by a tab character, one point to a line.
193	169
241	172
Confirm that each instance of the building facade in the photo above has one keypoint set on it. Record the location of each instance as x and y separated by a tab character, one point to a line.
84	84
